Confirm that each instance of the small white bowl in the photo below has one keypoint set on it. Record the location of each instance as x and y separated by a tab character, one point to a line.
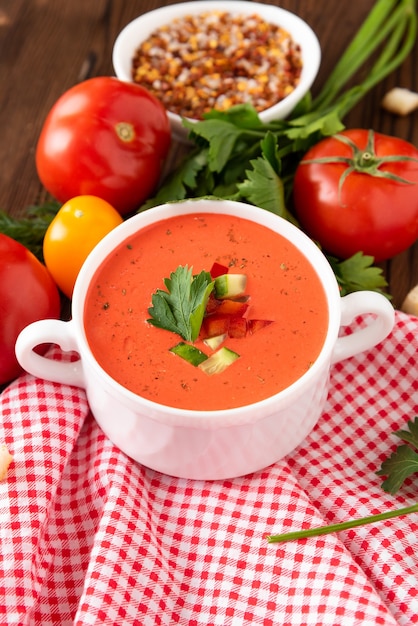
140	29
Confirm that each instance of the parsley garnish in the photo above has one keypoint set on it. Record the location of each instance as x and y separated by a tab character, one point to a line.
357	273
404	461
402	464
181	308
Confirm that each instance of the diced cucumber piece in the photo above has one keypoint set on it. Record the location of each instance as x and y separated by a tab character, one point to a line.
214	342
219	361
230	285
189	353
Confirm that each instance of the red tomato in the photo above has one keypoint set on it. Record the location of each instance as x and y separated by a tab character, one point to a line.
349	196
105	138
27	294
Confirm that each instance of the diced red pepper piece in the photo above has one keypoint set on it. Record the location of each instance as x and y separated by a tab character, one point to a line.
232	307
212	304
256	325
237	327
218	269
214	325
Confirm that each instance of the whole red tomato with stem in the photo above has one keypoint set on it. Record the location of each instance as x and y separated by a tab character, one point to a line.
358	192
106	138
27	294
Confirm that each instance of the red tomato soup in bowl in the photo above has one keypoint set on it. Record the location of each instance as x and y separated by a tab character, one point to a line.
255	320
281	287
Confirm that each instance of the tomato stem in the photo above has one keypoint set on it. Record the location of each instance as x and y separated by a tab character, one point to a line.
125	131
364	161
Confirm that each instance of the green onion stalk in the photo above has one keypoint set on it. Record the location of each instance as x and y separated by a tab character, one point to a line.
333	528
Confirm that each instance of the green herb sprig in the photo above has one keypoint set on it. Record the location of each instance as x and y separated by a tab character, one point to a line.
333	528
30	229
402	464
180	309
358	272
237	157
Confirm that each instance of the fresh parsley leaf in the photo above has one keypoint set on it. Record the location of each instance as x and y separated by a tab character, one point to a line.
398	467
228	134
222	137
200	289
411	435
263	185
357	273
242	115
270	152
307	126
403	462
181	307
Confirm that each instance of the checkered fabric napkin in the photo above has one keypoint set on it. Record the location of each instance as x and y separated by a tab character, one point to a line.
90	537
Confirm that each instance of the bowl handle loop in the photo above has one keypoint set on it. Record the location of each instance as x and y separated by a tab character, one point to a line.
50	332
362	339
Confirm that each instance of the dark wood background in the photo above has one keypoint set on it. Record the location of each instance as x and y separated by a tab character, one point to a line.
46	46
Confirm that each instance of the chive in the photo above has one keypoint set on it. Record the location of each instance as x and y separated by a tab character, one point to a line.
356	53
332	528
384	23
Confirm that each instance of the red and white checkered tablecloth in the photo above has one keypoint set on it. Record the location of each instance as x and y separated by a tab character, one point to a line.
90	537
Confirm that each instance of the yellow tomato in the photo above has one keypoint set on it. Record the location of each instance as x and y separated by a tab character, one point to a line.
73	233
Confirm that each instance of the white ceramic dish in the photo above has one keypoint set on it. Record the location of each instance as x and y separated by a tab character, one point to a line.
206	444
140	28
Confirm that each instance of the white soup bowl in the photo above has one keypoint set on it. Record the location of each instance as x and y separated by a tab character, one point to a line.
203	444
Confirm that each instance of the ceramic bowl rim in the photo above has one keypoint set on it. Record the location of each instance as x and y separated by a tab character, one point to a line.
240	414
300	30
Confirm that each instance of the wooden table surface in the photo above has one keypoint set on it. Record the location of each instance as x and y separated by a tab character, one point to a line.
46	46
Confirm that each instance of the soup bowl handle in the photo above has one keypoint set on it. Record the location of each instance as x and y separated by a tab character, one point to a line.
52	332
357	304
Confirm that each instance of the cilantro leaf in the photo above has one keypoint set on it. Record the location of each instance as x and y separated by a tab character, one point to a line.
180	309
357	273
403	462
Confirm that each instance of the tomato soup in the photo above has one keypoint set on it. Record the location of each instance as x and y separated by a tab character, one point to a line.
282	287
